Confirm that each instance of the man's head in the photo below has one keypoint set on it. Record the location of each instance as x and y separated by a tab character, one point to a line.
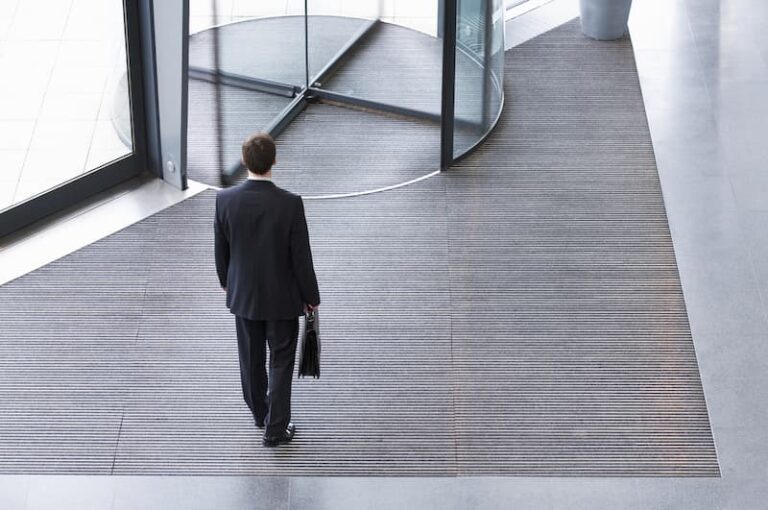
259	153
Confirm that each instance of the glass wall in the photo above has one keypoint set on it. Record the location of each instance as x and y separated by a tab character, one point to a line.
65	108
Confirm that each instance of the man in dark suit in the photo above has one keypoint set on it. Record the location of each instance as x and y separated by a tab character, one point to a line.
264	263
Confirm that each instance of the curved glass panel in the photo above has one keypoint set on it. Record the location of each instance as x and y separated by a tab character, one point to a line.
479	93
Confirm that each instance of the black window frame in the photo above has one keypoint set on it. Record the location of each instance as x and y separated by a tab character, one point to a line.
35	208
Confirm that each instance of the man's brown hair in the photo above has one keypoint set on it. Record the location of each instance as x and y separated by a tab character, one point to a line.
259	153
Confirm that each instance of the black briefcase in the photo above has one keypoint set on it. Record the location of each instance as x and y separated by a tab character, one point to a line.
309	360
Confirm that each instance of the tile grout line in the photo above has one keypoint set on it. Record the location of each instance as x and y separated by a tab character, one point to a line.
32	136
85	169
40	110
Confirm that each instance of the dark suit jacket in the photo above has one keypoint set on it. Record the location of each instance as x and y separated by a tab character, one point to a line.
263	256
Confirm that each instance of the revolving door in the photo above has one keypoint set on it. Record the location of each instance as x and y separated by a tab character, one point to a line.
430	72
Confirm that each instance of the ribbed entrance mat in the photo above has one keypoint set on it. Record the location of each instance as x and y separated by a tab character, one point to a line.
519	315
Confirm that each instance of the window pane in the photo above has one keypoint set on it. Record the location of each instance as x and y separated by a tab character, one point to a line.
64	98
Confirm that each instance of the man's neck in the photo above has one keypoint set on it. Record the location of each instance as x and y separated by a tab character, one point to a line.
256	177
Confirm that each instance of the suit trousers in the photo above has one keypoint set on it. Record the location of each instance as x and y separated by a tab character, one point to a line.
269	399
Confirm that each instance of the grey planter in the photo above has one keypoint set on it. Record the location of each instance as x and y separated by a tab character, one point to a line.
604	19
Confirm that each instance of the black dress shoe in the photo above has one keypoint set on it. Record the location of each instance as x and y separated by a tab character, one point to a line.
284	437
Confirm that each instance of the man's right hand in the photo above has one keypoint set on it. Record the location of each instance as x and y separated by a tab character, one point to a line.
309	308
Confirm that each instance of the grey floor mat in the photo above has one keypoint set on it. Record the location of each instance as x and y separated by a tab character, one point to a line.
520	315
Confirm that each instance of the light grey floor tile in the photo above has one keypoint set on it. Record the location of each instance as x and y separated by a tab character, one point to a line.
743	449
701	494
730	61
13	492
200	493
372	493
671	80
682	126
756	236
41	20
70	493
586	493
15	134
727	394
751	187
7	190
11	163
661	25
7	11
739	493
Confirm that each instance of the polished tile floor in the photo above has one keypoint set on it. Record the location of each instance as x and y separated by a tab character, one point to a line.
703	67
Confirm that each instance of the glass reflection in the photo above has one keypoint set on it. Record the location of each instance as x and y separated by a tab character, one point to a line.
479	70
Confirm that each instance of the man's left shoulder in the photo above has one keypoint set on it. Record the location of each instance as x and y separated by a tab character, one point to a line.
288	195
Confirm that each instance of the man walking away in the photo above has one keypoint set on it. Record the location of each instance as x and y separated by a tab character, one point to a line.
264	263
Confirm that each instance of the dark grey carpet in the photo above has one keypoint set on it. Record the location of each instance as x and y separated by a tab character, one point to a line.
520	315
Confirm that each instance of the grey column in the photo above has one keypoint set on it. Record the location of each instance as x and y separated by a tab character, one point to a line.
165	29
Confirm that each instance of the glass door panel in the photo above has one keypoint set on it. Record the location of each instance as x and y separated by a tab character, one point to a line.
247	66
479	70
334	28
65	98
258	39
398	62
